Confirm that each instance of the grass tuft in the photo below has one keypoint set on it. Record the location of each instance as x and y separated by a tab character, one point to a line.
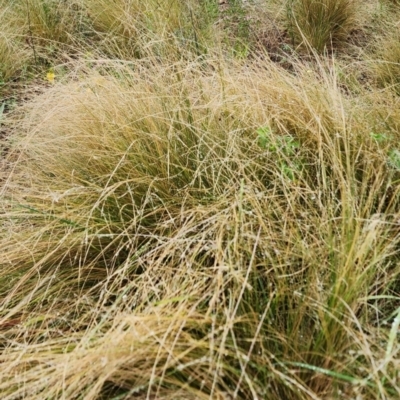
155	212
321	24
387	65
13	53
183	216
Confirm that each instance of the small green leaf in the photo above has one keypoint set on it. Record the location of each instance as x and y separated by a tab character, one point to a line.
378	137
262	141
394	158
287	171
264	138
289	145
264	131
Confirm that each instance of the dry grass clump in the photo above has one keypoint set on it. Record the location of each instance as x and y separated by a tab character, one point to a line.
13	53
49	22
387	62
197	232
134	29
321	24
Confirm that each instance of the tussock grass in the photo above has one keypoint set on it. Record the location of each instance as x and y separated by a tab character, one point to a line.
182	217
194	231
13	53
49	22
387	62
321	24
135	29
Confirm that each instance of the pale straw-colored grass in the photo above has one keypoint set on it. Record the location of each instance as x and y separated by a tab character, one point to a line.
204	230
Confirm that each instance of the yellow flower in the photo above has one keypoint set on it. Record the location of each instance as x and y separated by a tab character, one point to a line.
50	76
